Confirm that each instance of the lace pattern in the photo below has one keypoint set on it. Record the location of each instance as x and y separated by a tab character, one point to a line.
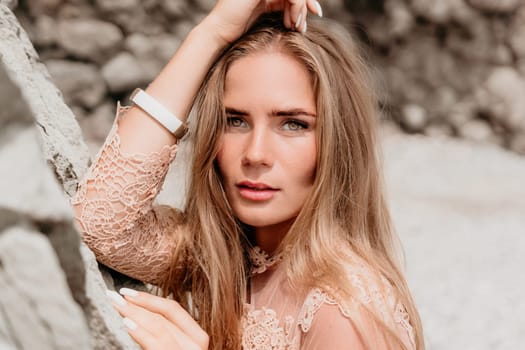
261	261
262	331
113	207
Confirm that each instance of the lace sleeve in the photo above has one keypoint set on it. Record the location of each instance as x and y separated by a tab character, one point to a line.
115	213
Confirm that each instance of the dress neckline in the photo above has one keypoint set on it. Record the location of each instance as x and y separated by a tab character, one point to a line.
261	261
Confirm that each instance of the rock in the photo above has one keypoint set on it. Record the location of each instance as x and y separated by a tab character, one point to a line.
498	6
96	126
41	144
517	143
42	7
458	208
502	97
45	32
205	5
517	34
11	4
81	83
60	135
123	72
476	130
175	8
89	39
414	117
36	301
117	6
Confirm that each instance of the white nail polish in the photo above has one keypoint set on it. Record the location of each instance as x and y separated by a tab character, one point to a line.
319	9
116	298
129	323
128	292
304	28
298	21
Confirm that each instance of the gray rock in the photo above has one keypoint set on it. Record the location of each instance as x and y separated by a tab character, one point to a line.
11	4
81	83
36	301
117	6
89	39
476	130
96	126
60	135
123	73
45	31
40	7
502	96
499	6
175	8
33	198
414	117
517	34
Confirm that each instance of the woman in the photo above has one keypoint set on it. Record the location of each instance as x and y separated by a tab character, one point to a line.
285	241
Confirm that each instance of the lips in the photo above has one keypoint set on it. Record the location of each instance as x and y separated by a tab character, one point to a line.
256	191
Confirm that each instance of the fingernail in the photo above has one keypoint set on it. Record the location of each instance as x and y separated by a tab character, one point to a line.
304	28
130	324
319	9
116	298
129	292
298	21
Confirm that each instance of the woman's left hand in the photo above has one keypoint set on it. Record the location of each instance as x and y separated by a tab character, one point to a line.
157	323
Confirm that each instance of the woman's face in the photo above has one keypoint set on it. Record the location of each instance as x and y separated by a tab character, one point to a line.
268	153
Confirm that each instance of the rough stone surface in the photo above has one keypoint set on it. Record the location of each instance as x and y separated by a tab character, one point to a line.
36	301
52	292
60	134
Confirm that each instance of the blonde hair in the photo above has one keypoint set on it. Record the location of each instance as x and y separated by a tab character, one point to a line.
347	203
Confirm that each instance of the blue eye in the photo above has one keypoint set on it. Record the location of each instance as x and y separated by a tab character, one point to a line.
295	125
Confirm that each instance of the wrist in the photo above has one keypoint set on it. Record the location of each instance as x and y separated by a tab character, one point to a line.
216	31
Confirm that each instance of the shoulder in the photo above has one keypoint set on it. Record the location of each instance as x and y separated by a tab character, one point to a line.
368	309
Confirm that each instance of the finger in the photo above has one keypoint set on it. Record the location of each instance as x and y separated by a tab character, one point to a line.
169	309
140	335
149	329
314	7
287	18
297	13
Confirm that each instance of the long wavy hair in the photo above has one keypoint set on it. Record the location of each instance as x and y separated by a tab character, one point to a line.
346	206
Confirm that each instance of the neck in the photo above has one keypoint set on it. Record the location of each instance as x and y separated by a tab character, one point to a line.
268	238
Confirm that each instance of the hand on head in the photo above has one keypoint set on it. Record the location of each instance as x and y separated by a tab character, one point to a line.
231	18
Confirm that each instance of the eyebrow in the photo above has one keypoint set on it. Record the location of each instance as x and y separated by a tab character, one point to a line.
275	113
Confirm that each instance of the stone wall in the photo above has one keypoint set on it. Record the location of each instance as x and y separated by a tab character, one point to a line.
448	67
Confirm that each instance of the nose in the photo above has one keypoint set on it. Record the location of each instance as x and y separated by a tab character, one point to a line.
258	146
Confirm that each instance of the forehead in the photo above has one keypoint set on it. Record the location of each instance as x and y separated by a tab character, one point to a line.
268	74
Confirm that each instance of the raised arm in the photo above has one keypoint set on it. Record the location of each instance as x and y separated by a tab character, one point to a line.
113	204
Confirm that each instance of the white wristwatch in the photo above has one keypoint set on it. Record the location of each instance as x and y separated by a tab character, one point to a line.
158	112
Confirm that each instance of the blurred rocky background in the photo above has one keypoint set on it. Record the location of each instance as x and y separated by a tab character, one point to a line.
447	68
451	80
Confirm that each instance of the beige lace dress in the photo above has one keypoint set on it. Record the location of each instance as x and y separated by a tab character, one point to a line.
115	212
